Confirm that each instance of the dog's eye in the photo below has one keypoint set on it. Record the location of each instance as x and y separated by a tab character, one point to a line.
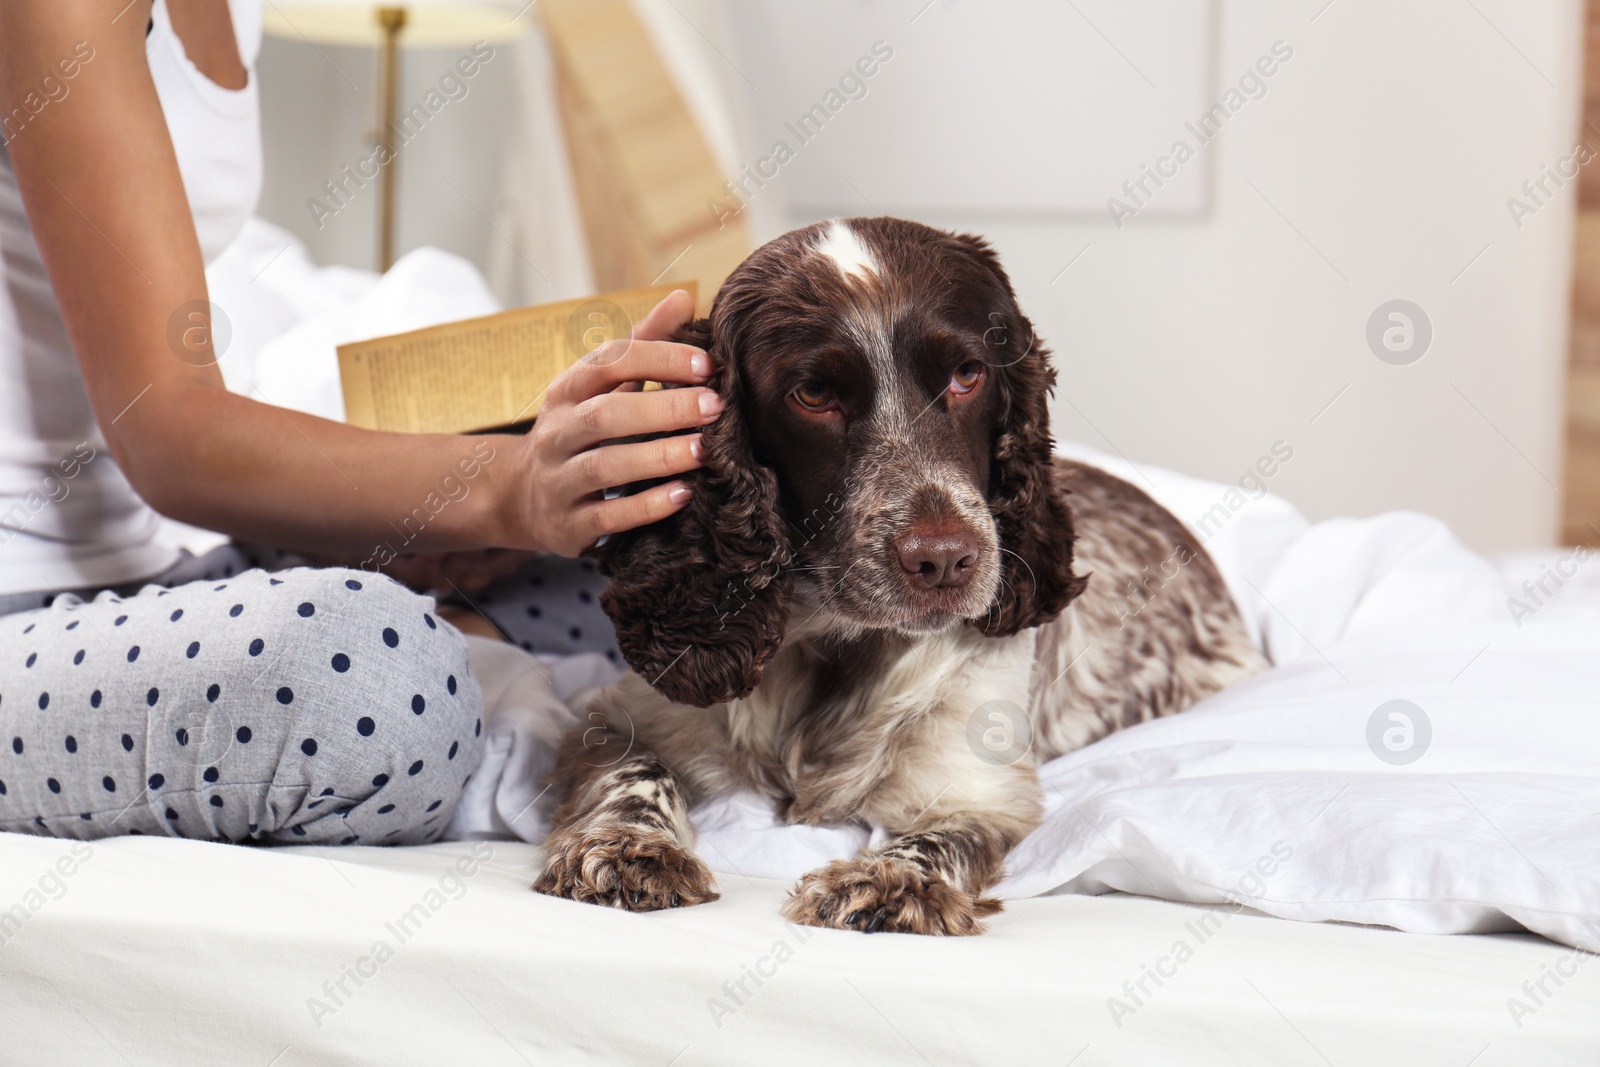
814	396
967	376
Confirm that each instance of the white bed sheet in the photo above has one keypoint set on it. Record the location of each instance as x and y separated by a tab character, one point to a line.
177	952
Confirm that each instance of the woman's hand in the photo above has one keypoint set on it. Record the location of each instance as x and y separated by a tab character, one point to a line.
570	457
467	571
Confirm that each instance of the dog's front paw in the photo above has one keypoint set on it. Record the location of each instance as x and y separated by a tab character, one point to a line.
619	867
872	893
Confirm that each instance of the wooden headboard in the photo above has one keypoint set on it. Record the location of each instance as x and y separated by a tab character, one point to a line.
1580	497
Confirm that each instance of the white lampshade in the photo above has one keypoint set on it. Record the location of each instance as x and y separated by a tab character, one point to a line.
429	23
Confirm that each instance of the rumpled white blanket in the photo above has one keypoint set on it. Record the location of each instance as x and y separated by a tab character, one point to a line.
283	316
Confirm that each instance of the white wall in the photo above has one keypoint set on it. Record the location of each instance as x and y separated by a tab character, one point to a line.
319	108
1020	62
1376	167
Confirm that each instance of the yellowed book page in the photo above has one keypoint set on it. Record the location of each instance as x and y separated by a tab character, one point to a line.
479	374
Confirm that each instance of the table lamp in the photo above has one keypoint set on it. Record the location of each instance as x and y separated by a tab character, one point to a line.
390	27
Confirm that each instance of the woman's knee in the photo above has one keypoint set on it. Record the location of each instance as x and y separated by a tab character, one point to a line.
345	789
389	726
250	707
323	705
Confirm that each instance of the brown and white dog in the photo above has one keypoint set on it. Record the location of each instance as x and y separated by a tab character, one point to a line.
874	576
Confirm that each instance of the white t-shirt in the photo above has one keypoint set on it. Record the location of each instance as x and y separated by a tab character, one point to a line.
68	517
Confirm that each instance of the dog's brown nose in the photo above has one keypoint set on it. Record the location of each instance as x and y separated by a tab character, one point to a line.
935	558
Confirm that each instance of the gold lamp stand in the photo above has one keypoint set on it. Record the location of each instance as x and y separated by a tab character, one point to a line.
391	20
391	27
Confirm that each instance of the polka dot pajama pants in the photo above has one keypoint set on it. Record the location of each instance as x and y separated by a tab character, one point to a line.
549	606
321	706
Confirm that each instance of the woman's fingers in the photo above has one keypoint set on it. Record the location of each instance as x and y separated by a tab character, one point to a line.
644	356
675	309
628	360
625	512
613	415
614	465
476	570
598	400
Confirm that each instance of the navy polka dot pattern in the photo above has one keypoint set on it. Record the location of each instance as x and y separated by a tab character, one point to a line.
314	706
550	606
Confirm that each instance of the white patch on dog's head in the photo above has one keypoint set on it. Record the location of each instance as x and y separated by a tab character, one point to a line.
843	245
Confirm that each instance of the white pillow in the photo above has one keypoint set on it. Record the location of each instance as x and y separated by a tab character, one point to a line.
1287	793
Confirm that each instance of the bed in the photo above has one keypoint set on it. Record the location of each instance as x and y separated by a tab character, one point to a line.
1288	873
177	952
1264	805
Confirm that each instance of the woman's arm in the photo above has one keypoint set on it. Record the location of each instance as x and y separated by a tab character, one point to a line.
101	184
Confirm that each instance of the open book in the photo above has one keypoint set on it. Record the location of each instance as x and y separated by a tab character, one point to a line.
486	373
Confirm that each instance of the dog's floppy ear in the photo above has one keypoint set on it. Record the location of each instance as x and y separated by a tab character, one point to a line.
1030	509
700	599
